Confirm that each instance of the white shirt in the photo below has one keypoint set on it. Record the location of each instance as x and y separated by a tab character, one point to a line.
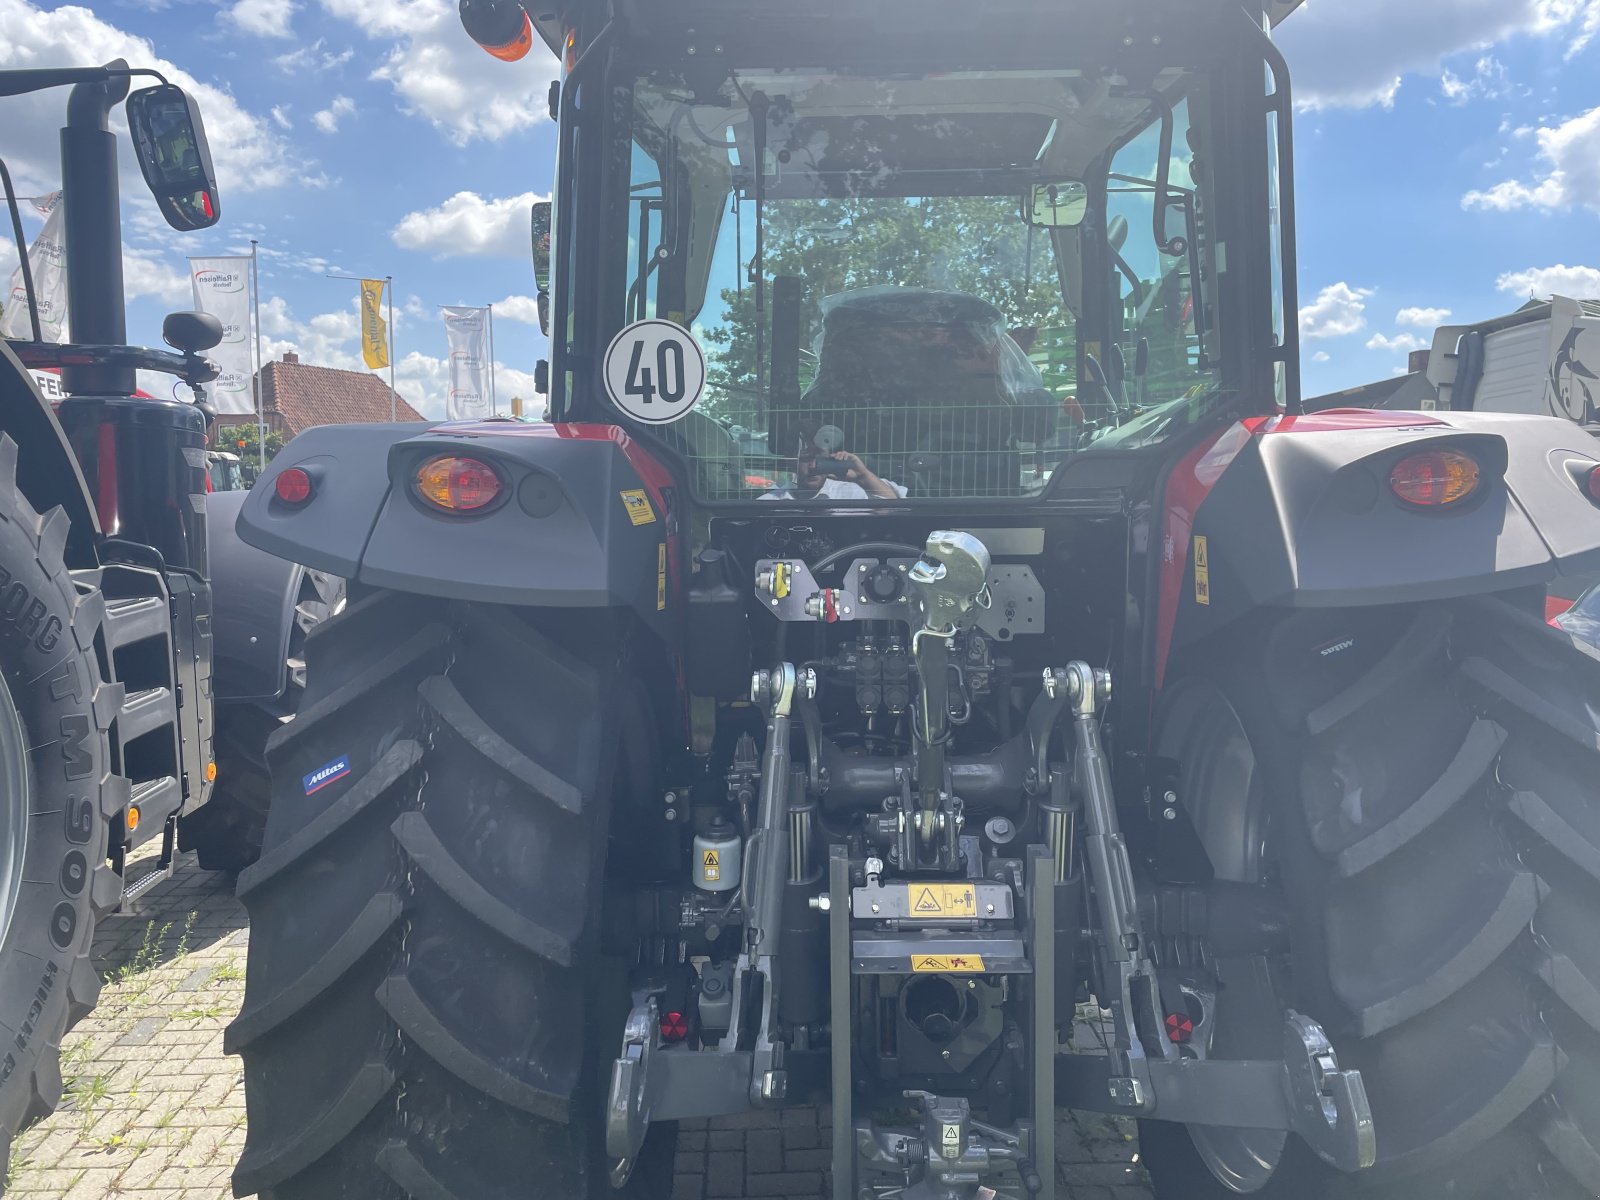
836	489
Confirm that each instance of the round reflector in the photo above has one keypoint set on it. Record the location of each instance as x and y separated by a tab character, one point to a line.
1434	478
458	484
293	486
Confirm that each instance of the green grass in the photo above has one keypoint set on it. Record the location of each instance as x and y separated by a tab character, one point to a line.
146	958
208	1013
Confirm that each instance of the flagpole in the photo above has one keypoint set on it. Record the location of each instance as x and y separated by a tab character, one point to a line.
261	411
394	400
494	396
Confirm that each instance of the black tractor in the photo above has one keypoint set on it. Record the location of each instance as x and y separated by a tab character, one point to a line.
140	645
929	664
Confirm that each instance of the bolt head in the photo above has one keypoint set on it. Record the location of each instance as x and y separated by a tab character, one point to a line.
671	814
1169	814
989	908
1169	797
874	908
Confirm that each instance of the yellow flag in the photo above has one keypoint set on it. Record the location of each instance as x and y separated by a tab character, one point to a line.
374	333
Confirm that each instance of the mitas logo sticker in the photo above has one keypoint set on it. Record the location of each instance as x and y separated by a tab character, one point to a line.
323	776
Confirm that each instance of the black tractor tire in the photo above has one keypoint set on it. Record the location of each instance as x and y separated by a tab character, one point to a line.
226	833
427	1009
1428	782
57	793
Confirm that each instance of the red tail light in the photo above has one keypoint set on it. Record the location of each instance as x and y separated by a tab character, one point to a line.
460	485
1591	485
293	486
1435	478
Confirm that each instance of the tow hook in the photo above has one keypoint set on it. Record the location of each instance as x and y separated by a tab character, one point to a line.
1328	1106
627	1104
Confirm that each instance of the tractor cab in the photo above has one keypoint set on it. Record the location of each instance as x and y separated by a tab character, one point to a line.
977	243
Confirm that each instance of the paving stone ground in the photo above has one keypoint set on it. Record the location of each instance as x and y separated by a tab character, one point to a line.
154	1110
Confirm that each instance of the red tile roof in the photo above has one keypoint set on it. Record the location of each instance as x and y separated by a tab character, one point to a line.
297	397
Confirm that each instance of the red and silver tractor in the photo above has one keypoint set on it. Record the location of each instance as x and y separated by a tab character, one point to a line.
929	663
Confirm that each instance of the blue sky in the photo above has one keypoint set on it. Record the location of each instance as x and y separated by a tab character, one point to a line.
1448	154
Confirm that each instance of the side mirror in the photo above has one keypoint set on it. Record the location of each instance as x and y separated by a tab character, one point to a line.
170	142
541	261
1061	205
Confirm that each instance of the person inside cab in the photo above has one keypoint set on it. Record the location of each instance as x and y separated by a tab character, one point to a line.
825	470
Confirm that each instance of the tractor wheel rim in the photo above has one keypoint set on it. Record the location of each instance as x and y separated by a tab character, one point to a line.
1225	803
14	805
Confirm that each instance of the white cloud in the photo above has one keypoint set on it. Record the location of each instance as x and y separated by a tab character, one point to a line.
1581	283
518	308
1405	342
1356	53
313	58
1422	318
280	114
441	75
264	18
467	224
147	272
1321	356
1570	158
328	118
250	155
1338	310
1489	81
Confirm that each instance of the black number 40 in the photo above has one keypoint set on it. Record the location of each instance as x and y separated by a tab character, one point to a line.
665	381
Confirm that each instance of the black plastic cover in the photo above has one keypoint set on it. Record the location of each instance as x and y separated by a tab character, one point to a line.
578	525
1304	517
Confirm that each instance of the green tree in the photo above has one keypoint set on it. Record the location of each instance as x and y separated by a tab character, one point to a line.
244	439
975	245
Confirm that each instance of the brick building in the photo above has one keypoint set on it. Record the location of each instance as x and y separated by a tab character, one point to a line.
297	396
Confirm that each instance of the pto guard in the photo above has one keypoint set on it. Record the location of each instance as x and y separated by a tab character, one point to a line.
584	523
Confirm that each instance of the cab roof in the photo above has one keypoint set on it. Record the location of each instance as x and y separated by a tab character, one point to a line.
550	23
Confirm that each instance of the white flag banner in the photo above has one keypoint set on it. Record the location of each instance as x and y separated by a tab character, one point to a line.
222	288
468	331
47	258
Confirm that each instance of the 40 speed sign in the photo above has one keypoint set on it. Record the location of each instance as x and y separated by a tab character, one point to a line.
655	371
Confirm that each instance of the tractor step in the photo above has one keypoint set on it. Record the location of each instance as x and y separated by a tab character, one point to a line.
136	619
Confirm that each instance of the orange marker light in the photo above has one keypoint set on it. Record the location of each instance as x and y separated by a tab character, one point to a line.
1435	478
133	817
459	485
211	772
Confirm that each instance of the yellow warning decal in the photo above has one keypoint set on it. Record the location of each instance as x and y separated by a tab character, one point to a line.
1202	571
711	866
661	575
638	507
942	900
948	964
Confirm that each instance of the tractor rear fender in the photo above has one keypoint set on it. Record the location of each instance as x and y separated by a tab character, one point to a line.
47	471
253	596
1298	511
582	519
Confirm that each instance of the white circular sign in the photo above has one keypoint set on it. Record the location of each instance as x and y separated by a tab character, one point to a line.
655	372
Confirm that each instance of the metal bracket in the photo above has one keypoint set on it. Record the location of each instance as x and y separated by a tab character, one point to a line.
1328	1106
628	1103
1306	1092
